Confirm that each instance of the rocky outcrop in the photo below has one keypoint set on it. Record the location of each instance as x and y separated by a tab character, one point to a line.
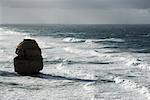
29	60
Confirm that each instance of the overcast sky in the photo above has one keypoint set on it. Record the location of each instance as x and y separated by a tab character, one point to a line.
75	11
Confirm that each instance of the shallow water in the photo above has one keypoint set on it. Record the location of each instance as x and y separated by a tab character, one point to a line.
81	62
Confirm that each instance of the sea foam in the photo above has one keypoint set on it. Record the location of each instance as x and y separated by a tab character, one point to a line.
73	40
133	86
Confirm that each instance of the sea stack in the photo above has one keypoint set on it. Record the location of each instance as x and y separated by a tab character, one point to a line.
29	60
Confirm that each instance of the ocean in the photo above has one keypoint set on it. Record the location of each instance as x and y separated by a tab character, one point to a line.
81	62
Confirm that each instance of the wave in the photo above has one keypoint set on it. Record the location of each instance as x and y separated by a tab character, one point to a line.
105	40
70	33
63	70
73	40
10	32
106	57
125	58
82	52
76	40
133	86
132	61
114	40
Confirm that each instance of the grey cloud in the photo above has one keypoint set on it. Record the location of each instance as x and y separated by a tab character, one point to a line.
59	16
75	11
78	4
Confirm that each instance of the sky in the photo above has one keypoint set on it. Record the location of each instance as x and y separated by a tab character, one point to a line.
74	11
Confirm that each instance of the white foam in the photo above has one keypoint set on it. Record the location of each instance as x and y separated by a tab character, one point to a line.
64	70
8	41
76	40
84	52
69	33
102	40
132	61
90	87
73	40
114	40
125	58
10	32
133	86
4	56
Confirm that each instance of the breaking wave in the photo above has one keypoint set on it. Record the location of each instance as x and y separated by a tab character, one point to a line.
132	61
133	86
103	40
10	32
76	40
73	40
63	70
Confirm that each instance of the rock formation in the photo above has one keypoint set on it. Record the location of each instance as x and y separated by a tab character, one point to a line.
29	60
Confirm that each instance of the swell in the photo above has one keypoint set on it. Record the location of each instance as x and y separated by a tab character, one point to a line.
76	40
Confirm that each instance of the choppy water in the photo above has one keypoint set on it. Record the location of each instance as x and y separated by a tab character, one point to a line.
81	62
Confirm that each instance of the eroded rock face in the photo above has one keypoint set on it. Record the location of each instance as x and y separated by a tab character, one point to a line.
29	60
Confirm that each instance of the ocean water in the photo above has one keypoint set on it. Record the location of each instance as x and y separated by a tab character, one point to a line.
81	62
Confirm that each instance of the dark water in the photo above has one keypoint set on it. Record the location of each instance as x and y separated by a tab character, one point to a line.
136	38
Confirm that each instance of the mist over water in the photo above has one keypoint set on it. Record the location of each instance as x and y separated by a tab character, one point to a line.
81	62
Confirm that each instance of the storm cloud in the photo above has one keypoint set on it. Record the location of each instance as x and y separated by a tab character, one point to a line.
75	11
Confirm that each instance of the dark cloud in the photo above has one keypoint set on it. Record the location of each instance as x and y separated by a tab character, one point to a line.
77	4
75	11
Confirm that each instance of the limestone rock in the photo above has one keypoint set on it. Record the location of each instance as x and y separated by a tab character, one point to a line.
29	59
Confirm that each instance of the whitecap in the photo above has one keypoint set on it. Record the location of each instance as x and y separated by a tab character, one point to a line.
63	70
73	40
131	85
103	40
132	61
